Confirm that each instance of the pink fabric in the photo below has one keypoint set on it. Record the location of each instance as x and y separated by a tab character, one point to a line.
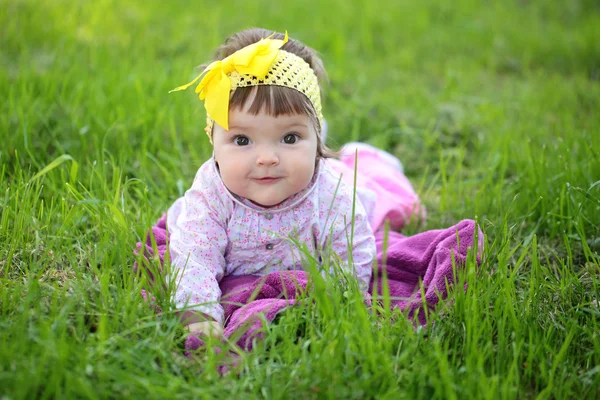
381	173
424	259
214	234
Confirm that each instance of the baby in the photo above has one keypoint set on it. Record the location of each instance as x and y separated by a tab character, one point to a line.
271	178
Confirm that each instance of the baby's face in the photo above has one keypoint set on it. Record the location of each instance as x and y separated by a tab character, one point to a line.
263	158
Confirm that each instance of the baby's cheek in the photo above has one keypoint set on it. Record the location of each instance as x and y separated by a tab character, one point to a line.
304	171
232	177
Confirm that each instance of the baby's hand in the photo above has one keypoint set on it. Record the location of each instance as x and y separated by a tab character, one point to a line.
208	328
198	332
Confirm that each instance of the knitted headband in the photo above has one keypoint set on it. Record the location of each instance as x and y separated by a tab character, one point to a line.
261	63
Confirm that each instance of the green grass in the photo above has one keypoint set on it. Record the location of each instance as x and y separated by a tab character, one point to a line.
492	106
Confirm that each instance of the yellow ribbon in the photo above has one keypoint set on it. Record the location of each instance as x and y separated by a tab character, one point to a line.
215	86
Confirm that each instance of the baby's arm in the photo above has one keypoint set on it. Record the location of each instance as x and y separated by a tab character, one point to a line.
198	242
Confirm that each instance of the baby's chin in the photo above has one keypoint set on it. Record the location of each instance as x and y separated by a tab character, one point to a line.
269	201
268	204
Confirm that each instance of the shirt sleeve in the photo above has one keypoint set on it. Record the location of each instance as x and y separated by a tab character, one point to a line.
198	241
362	245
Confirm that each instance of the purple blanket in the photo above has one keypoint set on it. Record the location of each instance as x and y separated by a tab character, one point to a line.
425	257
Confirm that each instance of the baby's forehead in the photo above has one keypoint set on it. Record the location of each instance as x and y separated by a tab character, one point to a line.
272	100
248	119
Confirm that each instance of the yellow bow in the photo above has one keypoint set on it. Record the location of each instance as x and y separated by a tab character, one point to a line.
215	86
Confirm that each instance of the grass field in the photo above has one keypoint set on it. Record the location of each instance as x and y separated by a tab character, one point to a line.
492	106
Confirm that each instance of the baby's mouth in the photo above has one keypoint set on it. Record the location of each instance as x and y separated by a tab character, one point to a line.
267	179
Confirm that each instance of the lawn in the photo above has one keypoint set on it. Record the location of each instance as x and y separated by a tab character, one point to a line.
492	106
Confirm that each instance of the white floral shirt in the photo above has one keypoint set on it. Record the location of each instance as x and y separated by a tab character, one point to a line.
214	233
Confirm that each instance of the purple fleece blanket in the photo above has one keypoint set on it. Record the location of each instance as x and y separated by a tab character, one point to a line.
425	257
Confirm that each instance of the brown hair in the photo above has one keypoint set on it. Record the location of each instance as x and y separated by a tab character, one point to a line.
277	100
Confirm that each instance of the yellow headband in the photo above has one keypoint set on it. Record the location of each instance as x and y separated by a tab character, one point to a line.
261	63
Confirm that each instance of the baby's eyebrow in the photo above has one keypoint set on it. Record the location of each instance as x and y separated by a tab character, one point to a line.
282	126
239	127
295	124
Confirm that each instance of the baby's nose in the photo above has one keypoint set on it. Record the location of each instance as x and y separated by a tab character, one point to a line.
267	156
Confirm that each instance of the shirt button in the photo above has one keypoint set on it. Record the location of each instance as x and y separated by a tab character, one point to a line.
269	216
269	246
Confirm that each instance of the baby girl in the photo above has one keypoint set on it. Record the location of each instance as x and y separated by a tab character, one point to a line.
272	179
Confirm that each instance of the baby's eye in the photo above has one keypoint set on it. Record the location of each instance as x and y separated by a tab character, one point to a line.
241	141
290	139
